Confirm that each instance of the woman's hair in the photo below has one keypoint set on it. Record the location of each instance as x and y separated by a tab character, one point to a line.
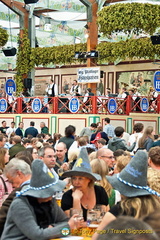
92	155
69	131
153	179
121	162
3	152
73	155
56	137
147	133
82	141
34	140
153	221
100	168
99	129
139	206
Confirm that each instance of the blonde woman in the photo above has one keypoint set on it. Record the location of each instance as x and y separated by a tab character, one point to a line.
147	139
138	200
100	168
84	195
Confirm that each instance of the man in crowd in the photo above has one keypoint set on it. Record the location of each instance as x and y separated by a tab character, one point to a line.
101	143
108	157
119	143
138	131
44	128
108	128
17	147
18	173
20	130
87	131
31	130
75	89
154	157
2	140
11	129
4	127
48	156
61	157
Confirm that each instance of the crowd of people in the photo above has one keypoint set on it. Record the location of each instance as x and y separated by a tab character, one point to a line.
103	166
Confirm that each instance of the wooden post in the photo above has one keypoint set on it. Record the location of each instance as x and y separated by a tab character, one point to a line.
92	40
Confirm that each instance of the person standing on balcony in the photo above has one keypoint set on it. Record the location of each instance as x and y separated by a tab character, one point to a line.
52	89
75	89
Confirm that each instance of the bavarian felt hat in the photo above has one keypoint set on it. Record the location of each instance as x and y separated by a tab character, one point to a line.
132	180
82	167
44	182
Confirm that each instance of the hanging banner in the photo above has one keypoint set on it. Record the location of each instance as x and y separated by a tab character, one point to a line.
88	75
10	87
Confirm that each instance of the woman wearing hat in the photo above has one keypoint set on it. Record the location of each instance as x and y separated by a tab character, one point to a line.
84	194
138	199
34	214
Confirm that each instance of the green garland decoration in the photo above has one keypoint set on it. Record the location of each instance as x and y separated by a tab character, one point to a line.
141	48
127	17
56	55
23	61
3	37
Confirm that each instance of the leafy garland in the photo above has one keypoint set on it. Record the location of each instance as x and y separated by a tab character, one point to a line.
56	55
141	48
129	17
3	37
23	61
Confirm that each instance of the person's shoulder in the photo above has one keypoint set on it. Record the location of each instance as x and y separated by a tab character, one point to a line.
98	188
67	193
17	201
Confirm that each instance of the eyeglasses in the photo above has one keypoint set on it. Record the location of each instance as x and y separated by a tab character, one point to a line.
59	150
50	156
110	157
35	152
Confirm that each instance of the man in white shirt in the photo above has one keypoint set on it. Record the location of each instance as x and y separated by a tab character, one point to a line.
138	132
52	89
75	89
11	129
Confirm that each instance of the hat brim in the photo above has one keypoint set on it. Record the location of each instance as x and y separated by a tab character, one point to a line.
125	189
92	176
95	140
44	193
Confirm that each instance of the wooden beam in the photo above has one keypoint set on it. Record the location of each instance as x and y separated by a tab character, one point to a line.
92	40
19	9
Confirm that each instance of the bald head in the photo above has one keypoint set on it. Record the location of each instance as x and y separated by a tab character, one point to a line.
106	155
61	150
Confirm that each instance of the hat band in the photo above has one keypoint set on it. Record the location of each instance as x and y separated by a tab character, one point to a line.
138	187
18	194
